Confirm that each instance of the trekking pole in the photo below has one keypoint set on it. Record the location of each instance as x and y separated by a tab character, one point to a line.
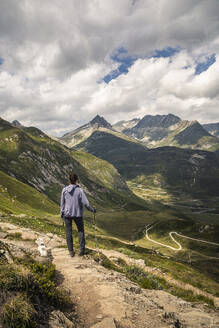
63	224
95	234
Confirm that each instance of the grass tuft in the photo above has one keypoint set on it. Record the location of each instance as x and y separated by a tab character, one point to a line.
142	278
19	313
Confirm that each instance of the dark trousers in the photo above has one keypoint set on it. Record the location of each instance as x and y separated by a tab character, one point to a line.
68	230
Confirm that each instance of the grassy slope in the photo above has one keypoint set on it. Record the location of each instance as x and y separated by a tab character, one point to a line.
102	171
17	197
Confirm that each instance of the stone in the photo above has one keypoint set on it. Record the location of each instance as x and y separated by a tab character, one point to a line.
99	317
8	257
3	235
57	319
177	324
105	323
136	290
50	235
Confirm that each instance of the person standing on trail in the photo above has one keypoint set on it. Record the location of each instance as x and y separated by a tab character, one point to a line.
71	209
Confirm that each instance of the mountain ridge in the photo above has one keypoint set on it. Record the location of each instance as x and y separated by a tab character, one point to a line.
152	130
170	130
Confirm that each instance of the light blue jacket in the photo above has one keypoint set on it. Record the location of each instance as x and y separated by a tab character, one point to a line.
72	200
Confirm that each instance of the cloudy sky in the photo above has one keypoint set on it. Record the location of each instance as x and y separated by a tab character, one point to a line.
64	61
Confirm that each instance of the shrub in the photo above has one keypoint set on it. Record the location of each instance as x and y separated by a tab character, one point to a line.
19	313
41	283
11	278
144	279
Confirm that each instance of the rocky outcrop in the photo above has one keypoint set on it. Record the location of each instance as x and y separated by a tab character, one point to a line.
162	121
212	128
100	121
16	123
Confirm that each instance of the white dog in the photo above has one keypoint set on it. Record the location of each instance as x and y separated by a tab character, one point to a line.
41	247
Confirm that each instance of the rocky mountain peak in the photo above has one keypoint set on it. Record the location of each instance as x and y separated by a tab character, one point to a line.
100	121
16	123
165	121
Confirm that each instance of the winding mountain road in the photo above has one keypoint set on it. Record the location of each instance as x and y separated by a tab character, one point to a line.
179	248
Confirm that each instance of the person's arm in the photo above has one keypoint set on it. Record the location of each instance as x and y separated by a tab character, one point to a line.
62	204
85	202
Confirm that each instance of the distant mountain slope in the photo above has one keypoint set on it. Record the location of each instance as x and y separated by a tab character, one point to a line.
152	129
35	159
76	136
102	170
191	135
17	197
124	125
109	146
163	121
170	130
212	128
192	171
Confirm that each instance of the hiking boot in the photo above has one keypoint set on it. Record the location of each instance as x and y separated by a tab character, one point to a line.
81	252
72	253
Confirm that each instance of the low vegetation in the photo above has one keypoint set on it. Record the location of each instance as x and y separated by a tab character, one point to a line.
29	292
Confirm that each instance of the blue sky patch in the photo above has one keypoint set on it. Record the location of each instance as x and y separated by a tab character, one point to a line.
125	61
1	60
203	66
122	57
166	52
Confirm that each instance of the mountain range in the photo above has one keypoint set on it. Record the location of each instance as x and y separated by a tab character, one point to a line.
42	162
152	131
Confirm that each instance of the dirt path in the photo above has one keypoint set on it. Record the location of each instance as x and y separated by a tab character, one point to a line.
195	239
179	248
107	299
161	244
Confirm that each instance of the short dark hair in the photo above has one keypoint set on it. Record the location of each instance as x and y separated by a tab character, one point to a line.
73	177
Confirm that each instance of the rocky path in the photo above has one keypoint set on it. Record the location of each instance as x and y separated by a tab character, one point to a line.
107	299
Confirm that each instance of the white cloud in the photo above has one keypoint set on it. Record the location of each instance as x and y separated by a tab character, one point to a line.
56	51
